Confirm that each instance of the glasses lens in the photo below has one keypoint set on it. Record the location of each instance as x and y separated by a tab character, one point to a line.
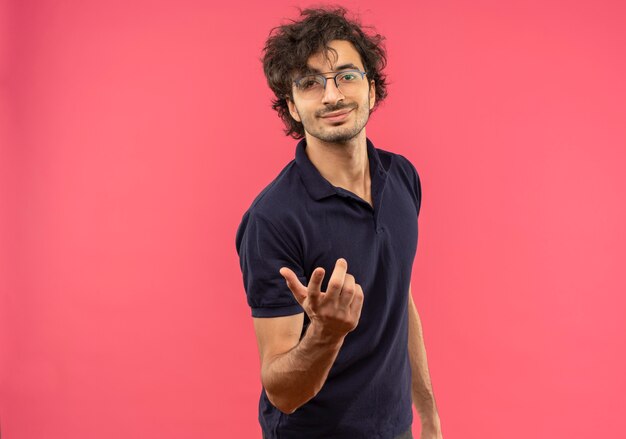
349	78
310	85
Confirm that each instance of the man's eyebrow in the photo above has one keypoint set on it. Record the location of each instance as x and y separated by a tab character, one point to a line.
313	70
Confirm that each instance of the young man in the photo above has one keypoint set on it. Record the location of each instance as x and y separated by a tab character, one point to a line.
341	356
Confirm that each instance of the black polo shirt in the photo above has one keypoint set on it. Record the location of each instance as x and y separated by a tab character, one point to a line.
301	221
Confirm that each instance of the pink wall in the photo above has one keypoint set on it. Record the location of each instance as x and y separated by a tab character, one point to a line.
135	134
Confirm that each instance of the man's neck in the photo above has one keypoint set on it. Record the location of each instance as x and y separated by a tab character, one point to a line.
344	165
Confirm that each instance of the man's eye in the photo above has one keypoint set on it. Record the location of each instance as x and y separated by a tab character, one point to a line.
308	83
348	77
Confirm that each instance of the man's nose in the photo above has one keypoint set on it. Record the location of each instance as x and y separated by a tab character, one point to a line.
331	93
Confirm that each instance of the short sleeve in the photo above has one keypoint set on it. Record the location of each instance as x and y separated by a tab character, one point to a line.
263	250
418	189
416	185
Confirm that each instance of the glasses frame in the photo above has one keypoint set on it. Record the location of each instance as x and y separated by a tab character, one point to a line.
325	78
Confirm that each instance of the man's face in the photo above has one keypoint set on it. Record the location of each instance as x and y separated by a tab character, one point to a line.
339	114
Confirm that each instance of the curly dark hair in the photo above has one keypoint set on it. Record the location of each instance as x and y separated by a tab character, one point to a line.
289	47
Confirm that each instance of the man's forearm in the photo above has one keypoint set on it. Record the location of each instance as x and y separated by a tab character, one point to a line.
421	386
293	378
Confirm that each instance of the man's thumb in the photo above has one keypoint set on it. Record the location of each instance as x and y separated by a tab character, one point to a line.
293	283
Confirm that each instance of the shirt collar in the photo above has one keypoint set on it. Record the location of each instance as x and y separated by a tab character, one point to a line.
317	186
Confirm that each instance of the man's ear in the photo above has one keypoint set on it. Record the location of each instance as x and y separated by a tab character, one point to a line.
372	93
293	110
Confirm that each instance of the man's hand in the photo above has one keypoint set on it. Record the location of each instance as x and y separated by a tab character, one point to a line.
336	311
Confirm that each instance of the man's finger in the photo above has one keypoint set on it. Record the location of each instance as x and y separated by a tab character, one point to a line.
335	284
348	290
314	288
299	291
357	303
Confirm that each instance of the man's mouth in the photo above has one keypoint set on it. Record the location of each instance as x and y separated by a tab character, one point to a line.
336	116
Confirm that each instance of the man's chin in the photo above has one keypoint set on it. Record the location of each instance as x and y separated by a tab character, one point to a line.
336	135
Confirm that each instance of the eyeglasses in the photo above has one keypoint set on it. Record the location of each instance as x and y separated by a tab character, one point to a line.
313	86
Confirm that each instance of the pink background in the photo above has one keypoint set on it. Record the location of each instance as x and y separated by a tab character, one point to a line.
135	134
